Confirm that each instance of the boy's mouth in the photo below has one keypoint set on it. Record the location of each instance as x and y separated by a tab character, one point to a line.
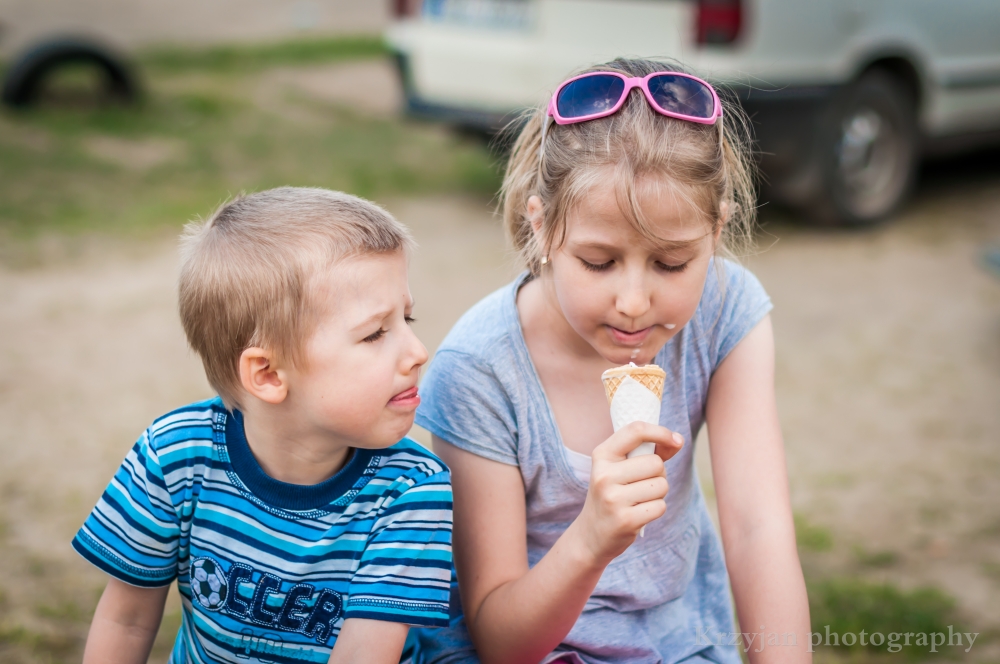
626	338
408	397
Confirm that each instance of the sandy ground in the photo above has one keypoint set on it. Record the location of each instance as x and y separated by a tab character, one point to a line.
888	375
133	23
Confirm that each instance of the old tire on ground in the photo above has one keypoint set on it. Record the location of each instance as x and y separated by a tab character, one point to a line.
869	152
27	73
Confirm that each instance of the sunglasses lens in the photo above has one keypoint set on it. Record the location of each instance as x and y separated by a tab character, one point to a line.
686	96
589	95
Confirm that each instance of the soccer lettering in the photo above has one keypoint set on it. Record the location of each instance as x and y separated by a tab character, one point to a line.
289	618
235	606
259	612
216	590
324	615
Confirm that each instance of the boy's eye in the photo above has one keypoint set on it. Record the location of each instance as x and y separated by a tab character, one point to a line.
672	268
596	267
374	336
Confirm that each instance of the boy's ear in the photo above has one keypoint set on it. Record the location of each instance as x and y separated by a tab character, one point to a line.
261	377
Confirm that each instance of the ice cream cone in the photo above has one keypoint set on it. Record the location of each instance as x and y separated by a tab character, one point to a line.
638	401
650	376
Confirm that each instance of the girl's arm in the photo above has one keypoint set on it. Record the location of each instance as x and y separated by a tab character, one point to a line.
363	641
125	624
519	615
755	513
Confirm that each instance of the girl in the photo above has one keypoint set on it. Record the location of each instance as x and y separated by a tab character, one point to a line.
620	201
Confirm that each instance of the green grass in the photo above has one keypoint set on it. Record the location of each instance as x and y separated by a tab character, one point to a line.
250	57
810	536
39	647
875	558
852	605
214	124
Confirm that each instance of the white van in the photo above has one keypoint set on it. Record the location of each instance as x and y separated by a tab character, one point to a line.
845	95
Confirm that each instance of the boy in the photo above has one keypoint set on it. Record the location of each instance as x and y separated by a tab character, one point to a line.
294	518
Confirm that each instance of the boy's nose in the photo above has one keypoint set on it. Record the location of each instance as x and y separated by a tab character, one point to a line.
417	353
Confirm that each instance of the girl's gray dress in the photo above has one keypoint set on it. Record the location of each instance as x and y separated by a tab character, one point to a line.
667	598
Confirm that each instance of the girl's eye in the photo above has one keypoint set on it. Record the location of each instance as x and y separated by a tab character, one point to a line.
673	268
409	320
374	336
596	267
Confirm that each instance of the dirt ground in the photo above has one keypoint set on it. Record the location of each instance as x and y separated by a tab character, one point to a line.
888	376
888	381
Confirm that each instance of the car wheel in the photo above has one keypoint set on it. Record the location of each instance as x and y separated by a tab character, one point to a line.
27	74
869	153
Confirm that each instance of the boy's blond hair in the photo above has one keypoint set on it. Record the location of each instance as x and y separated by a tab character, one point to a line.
246	272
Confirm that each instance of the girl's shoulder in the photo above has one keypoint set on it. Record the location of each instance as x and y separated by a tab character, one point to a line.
733	303
731	287
490	323
468	393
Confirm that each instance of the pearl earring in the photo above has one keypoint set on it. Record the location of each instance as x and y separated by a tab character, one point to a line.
545	259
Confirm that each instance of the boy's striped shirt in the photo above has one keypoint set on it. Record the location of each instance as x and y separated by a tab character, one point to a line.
268	570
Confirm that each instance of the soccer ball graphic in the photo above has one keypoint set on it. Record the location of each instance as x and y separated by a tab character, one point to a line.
208	583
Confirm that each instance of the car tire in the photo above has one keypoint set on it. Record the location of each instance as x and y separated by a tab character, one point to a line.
869	152
28	72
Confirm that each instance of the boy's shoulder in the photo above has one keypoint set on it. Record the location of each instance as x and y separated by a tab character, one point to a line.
411	461
186	429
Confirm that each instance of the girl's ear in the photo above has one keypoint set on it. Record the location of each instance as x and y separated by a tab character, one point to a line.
536	214
724	210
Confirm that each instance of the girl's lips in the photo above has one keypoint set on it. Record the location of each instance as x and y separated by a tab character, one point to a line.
626	338
408	397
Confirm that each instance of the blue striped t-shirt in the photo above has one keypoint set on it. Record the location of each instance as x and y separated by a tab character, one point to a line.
268	570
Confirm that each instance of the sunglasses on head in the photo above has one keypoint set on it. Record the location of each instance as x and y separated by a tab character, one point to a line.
600	94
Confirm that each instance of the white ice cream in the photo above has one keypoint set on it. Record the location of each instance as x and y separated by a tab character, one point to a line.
633	402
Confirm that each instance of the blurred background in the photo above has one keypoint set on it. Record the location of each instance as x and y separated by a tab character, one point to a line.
880	223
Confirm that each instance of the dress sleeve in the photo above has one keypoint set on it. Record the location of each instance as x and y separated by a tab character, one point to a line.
743	304
133	532
464	403
405	571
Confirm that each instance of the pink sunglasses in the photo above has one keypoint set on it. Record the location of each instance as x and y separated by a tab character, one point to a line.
600	94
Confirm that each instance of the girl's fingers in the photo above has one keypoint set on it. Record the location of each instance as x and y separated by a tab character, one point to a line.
645	491
651	510
626	439
667	452
629	470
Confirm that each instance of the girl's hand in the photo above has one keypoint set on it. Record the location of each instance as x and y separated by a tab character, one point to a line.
625	494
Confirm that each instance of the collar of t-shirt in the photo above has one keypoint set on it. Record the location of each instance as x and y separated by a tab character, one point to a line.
296	497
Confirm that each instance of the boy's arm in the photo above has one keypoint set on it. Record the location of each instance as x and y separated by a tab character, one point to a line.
363	641
125	624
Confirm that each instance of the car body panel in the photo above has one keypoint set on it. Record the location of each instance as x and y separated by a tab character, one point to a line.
500	67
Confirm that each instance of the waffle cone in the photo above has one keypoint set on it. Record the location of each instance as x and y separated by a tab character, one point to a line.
650	376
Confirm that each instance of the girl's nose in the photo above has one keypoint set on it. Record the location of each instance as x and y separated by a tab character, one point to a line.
633	296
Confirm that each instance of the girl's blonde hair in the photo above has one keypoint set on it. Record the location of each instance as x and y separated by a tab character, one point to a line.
706	166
